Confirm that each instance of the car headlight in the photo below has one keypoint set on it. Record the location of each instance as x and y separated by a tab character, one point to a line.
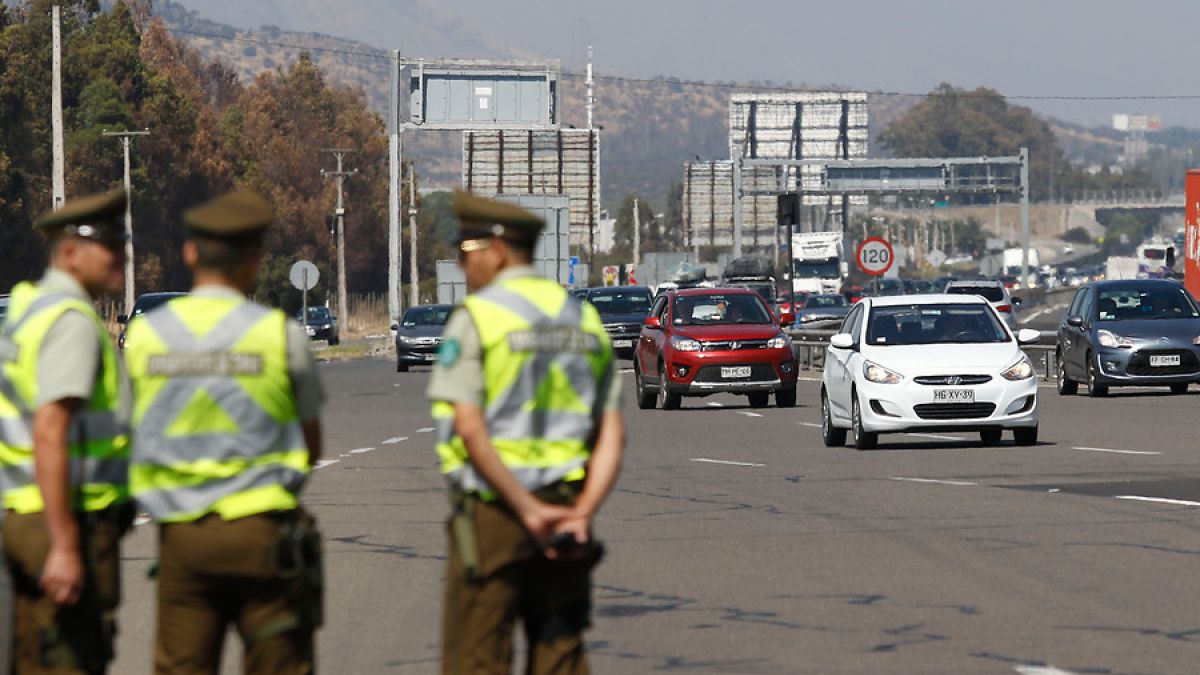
684	344
877	373
326	326
1112	340
780	341
1021	370
408	340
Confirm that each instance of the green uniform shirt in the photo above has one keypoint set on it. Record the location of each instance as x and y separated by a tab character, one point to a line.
301	367
458	375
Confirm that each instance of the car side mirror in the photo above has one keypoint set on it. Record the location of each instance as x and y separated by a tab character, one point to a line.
121	318
1076	321
1017	302
653	322
1028	336
842	341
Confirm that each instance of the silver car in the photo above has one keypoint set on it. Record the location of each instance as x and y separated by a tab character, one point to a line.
994	292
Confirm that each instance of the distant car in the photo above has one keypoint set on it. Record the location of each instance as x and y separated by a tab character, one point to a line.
419	335
321	324
825	307
1129	333
927	362
622	309
698	342
144	303
882	288
993	291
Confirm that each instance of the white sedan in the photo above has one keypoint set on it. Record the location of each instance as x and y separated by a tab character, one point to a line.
927	362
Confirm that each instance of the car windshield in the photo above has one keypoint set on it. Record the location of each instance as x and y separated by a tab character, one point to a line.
934	324
826	301
318	314
1135	303
620	302
824	269
148	302
716	309
989	293
426	316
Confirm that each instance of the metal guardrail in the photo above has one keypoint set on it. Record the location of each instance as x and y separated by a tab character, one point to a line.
810	346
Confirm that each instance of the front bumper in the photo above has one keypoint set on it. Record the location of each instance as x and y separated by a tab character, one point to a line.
769	370
1131	366
909	406
320	333
417	354
624	338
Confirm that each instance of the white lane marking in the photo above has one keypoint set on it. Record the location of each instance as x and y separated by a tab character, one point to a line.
358	451
723	461
810	424
424	430
625	371
1043	670
397	439
749	414
326	462
142	519
1159	500
933	480
1119	452
938	437
714	404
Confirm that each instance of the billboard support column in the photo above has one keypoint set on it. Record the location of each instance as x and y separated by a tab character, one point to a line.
1191	245
395	254
1025	273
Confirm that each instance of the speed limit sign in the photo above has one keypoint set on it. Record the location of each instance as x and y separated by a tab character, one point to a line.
875	256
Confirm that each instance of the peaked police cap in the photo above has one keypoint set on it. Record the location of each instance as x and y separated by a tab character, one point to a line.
101	209
482	218
234	214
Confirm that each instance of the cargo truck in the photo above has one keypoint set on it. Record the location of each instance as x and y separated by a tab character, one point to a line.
818	262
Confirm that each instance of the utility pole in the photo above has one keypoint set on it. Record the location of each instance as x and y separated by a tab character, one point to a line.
637	233
58	172
395	242
341	176
413	275
126	140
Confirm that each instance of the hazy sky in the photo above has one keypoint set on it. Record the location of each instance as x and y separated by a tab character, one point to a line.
1021	47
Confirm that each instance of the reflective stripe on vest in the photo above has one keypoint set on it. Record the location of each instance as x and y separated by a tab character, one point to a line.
544	357
216	428
97	440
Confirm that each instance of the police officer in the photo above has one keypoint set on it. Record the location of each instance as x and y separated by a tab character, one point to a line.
64	445
530	437
226	430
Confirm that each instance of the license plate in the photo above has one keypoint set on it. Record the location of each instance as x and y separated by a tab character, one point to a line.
735	372
619	344
954	395
310	330
431	356
1164	360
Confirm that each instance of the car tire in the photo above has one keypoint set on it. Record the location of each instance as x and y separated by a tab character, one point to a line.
786	397
759	399
401	368
666	399
1180	388
991	436
1066	386
645	399
334	341
831	435
1094	390
863	440
1025	435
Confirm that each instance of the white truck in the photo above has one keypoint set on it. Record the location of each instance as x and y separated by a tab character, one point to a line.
1012	260
1122	267
818	262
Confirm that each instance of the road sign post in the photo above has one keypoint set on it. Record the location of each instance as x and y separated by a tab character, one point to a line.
304	276
875	258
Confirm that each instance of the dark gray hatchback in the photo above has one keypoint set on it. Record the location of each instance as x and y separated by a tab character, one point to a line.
419	335
1129	333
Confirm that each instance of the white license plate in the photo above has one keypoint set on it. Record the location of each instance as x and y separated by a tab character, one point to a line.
734	372
1158	361
310	330
619	344
432	356
954	395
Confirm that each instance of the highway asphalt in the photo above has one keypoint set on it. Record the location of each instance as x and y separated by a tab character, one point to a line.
739	544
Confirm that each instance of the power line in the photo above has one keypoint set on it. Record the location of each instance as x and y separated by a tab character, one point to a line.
382	56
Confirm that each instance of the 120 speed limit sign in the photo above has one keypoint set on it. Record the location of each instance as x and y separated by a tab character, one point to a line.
875	256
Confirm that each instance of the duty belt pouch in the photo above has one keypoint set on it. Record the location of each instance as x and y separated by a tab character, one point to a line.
466	540
301	561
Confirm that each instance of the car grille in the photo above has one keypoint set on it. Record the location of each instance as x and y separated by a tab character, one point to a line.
954	411
759	372
731	345
1139	362
952	380
623	328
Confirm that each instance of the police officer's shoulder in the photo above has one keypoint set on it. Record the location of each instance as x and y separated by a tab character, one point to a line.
234	214
101	208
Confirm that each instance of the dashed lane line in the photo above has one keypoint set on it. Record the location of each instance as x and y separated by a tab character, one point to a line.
747	413
810	424
1042	670
724	461
1159	500
359	451
933	480
397	439
1119	452
424	430
938	437
326	462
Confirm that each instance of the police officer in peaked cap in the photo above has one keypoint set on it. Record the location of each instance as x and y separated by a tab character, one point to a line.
530	438
64	445
226	431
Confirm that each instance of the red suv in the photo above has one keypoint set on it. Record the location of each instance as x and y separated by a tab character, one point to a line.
703	341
